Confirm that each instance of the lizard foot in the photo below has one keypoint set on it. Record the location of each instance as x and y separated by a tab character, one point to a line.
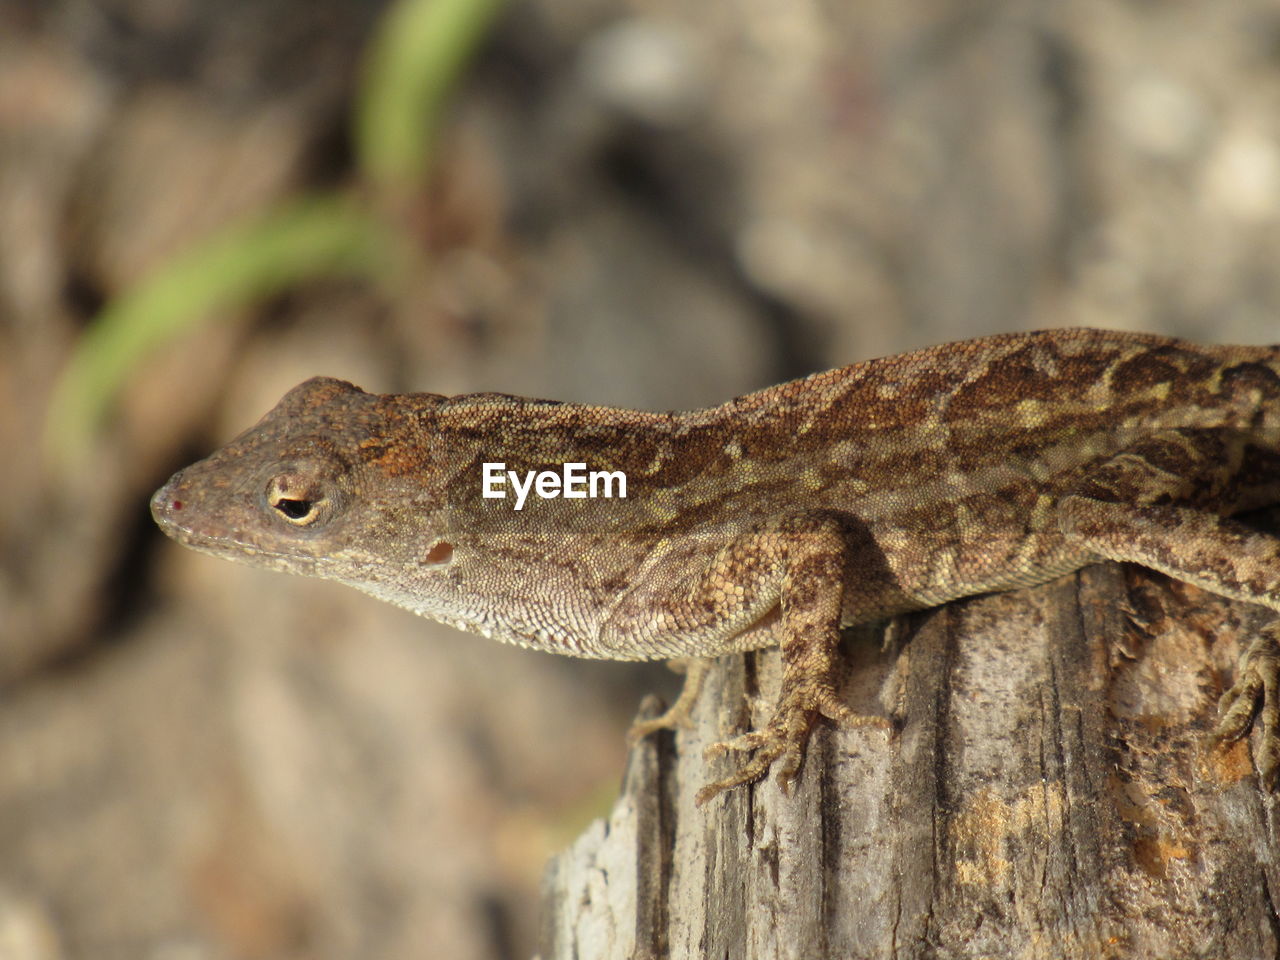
785	737
695	671
1256	692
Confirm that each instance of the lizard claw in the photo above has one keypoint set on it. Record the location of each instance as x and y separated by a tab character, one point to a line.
768	745
1256	692
680	714
670	719
784	738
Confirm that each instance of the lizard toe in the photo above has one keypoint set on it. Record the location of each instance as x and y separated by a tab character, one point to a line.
1236	708
743	743
749	772
1256	694
789	767
679	716
1268	750
670	720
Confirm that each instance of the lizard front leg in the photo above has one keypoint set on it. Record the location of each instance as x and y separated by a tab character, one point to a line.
816	557
1165	503
695	670
787	583
800	568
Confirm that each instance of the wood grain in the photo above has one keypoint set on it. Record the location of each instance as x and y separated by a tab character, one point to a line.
1053	793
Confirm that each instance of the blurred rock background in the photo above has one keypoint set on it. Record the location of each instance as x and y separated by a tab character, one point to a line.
633	202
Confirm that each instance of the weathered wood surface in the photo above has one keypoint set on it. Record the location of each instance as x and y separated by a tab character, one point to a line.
1053	792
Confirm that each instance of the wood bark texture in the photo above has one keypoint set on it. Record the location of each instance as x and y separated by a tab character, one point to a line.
1053	791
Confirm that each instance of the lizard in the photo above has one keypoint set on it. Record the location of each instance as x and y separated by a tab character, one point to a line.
780	517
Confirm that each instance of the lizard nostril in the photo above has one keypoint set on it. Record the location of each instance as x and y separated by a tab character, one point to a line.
177	504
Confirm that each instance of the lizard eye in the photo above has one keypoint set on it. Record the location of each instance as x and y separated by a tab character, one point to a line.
295	509
298	499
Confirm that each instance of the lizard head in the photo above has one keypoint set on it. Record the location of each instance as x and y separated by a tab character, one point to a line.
329	483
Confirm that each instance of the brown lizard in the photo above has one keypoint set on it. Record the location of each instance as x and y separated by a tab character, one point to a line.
779	517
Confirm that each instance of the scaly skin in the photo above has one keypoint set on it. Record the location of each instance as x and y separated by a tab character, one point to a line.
780	517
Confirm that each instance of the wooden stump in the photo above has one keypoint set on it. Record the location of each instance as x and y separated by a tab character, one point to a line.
1053	792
